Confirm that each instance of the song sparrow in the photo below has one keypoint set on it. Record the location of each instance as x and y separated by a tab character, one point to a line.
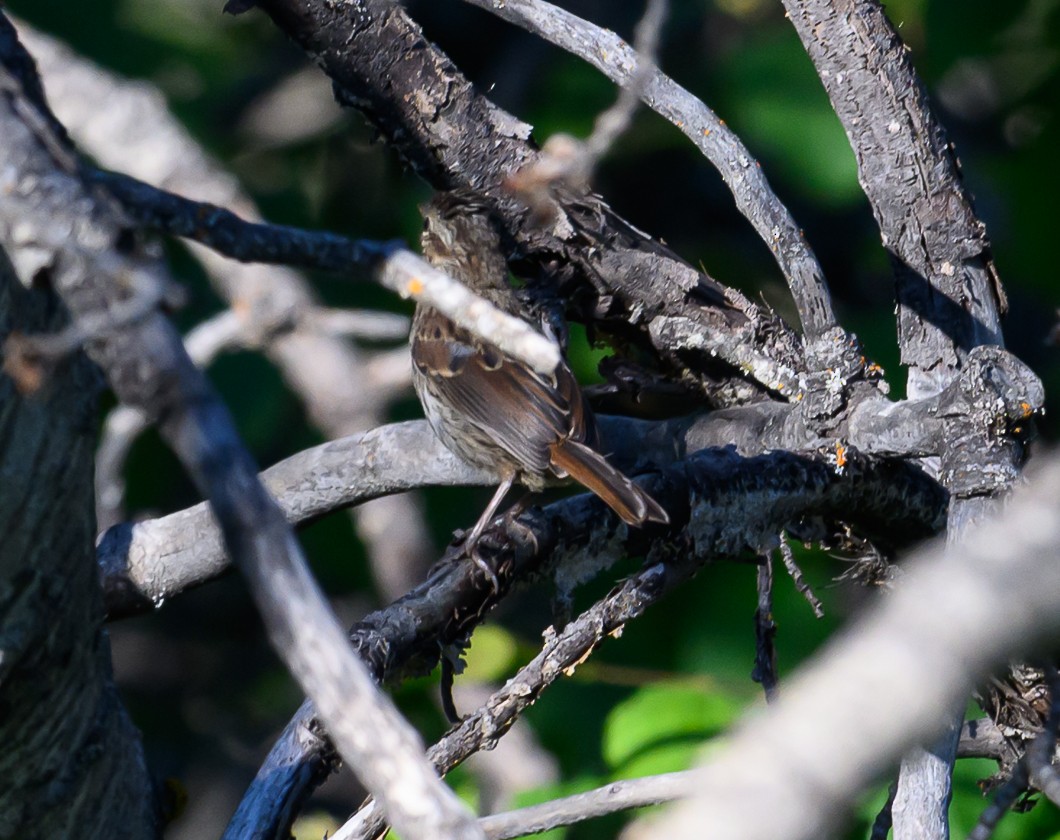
487	407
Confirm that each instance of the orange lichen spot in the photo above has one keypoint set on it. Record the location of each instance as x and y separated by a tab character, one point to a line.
570	669
840	455
414	286
706	132
1026	408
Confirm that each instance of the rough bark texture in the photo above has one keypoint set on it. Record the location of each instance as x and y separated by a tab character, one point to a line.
72	764
84	249
949	296
60	227
726	506
611	272
742	174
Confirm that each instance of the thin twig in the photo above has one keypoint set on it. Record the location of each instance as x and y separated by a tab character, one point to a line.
765	670
613	122
1004	799
561	653
566	159
617	796
801	586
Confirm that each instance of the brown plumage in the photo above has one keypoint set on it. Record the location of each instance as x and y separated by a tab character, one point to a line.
490	409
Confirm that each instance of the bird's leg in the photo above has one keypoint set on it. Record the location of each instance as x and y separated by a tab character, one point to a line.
487	514
480	526
520	506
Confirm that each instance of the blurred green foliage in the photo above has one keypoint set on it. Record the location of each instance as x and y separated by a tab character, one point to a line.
200	680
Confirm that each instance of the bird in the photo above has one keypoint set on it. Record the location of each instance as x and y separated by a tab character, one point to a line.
489	408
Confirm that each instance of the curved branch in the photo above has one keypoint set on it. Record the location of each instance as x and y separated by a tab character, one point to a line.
708	495
391	264
126	124
381	64
741	173
569	810
796	768
144	563
81	248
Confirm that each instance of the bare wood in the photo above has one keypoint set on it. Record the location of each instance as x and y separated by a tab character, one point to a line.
147	367
453	136
740	171
961	611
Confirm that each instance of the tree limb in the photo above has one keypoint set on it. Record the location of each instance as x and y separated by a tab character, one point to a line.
795	769
429	113
708	496
76	236
126	125
741	173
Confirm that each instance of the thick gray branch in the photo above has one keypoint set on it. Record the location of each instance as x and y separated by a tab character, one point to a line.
144	563
949	296
708	496
796	769
948	292
79	246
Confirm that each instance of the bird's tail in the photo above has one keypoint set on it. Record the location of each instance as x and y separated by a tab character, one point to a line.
591	469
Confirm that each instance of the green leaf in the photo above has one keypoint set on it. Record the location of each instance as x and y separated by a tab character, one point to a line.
668	721
492	654
781	110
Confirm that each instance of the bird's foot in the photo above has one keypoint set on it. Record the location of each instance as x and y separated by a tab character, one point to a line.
480	561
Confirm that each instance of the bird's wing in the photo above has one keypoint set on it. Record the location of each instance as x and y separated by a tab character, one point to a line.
521	411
